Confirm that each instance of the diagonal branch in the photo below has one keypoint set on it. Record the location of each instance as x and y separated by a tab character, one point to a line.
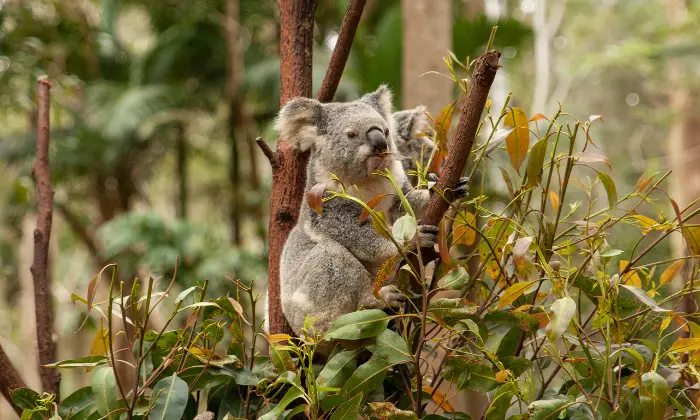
86	236
341	51
461	144
9	380
50	378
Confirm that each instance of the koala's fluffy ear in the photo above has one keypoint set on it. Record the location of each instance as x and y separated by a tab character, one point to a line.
380	100
298	122
411	122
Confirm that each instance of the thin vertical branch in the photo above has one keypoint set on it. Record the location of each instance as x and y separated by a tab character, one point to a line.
50	378
341	51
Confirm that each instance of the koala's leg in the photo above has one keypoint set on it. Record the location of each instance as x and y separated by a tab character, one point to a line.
332	282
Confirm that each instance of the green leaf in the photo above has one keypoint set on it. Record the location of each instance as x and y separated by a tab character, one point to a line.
38	413
456	278
691	233
610	189
452	309
509	343
547	409
338	369
25	398
513	292
517	365
80	401
281	359
366	378
276	412
591	157
349	410
562	312
243	376
170	398
501	402
683	345
391	347
469	374
86	362
358	325
644	298
184	294
654	396
404	229
534	163
518	141
104	388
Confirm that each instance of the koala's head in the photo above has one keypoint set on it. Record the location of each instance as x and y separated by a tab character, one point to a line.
350	139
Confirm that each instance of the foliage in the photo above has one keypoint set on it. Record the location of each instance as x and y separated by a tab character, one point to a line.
539	309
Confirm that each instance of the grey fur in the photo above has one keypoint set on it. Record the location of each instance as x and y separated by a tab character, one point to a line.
330	260
413	146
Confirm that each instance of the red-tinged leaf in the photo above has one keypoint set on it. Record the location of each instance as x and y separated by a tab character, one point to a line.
383	274
276	338
92	291
462	233
512	293
677	210
518	141
643	182
538	117
374	202
683	345
692	236
554	200
520	250
509	183
192	319
681	322
443	248
315	197
592	157
543	319
595	117
671	272
236	306
439	399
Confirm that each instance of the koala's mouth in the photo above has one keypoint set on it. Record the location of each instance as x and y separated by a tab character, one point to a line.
378	161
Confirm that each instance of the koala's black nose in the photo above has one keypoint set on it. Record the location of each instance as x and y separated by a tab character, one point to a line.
377	140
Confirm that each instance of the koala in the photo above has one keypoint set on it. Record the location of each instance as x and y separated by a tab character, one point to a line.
413	147
330	260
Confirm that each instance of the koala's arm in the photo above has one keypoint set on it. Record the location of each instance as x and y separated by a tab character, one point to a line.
340	221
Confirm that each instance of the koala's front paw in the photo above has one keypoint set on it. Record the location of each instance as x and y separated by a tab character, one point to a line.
462	188
427	236
391	296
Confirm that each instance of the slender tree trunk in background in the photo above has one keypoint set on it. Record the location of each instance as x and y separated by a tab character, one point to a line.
543	47
683	142
254	180
43	299
182	154
427	38
288	164
234	77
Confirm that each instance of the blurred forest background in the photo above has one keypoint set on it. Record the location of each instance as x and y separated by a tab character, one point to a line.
156	105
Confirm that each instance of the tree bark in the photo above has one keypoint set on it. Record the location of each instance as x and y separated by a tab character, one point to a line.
427	38
9	380
682	139
288	164
50	378
461	144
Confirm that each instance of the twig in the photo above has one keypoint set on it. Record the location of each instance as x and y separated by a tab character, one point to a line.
50	378
9	380
269	153
341	51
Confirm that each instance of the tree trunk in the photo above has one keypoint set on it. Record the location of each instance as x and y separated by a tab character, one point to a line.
427	38
682	141
288	164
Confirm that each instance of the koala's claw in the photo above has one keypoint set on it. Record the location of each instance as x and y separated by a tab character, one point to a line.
462	188
427	236
432	177
391	296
